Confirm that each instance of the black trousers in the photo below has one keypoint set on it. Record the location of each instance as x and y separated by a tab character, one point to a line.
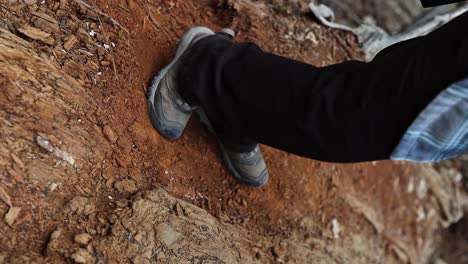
348	112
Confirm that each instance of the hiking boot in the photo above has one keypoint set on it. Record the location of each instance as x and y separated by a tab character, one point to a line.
169	114
247	165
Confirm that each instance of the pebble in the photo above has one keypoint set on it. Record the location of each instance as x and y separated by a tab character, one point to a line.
5	197
82	256
12	214
110	134
126	186
101	51
81	205
82	239
140	260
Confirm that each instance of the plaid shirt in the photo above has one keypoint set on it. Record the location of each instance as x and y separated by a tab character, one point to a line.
440	131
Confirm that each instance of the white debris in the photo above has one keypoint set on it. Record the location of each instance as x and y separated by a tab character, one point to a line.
422	189
458	177
110	197
53	186
113	44
421	214
396	183
336	229
410	185
92	33
166	172
63	155
455	175
106	46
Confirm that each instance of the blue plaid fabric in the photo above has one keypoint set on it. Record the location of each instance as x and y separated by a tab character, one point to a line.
440	131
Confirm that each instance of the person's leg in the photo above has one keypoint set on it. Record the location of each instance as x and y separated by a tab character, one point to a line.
348	112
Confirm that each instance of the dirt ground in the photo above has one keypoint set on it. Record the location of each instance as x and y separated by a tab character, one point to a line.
118	158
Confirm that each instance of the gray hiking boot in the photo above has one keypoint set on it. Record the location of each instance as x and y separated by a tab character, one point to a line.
169	114
248	167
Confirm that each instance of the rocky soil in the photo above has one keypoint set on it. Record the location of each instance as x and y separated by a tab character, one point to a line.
84	178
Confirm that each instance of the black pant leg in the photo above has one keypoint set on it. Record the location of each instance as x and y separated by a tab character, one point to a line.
348	112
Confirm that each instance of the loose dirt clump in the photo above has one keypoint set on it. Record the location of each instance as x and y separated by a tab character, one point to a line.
87	179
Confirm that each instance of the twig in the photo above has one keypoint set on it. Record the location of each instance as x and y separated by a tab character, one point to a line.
95	19
110	47
82	3
3	6
157	26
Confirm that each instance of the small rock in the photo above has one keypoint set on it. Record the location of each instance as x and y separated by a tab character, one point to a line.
47	145
122	203
126	186
82	256
110	134
178	210
139	237
105	63
54	243
71	40
82	239
5	197
36	34
53	186
336	229
81	205
101	51
56	234
140	260
12	214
